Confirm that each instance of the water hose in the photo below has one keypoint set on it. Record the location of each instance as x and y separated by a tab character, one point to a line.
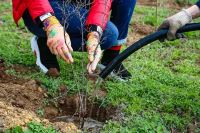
143	42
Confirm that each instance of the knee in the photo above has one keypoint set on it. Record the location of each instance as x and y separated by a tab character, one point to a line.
110	36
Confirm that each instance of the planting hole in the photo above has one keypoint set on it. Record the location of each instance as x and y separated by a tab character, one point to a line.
88	117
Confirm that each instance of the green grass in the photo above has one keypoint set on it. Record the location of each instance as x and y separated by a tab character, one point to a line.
32	127
163	94
147	15
185	2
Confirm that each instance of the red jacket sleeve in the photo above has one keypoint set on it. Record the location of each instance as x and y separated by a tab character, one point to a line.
37	8
99	13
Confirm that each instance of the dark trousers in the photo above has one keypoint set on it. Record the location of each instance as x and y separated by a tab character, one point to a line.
73	17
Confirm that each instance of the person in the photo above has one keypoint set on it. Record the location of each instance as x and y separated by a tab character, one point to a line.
61	27
180	19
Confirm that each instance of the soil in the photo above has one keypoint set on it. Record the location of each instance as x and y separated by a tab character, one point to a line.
143	29
166	3
21	99
138	31
87	115
147	2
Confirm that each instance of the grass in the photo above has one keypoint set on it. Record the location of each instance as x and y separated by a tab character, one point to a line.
184	2
164	93
32	127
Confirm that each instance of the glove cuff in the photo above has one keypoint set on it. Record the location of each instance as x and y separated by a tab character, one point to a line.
182	18
189	16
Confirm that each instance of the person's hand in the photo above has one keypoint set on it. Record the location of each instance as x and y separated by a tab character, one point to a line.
175	22
58	40
94	51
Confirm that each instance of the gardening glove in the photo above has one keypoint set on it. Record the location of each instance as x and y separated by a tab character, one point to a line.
58	40
175	22
94	51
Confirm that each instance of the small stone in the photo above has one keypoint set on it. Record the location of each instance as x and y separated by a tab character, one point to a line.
45	121
45	95
37	120
40	89
30	119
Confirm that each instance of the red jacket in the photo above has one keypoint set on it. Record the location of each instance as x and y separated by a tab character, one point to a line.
98	15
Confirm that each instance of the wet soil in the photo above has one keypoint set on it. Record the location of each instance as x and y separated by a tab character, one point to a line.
21	99
84	113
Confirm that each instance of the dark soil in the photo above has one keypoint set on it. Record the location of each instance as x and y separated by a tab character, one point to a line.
24	97
86	115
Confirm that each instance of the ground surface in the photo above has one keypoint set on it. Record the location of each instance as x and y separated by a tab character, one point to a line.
20	100
162	96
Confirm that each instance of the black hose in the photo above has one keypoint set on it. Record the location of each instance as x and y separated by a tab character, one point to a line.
141	43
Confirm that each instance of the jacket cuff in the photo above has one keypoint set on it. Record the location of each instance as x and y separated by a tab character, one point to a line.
39	22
